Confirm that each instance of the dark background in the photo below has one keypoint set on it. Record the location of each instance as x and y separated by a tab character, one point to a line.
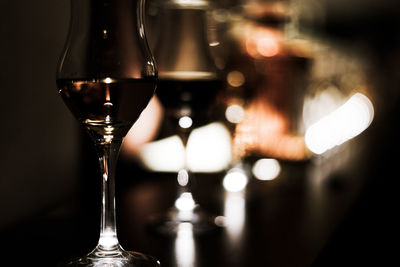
38	134
41	159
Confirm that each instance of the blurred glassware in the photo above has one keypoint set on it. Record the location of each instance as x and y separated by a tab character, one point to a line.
274	65
189	83
266	81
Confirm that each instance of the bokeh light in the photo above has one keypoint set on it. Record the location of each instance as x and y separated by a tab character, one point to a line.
344	123
185	122
266	169
234	113
235	180
235	78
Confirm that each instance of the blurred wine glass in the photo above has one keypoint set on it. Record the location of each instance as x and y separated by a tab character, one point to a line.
189	83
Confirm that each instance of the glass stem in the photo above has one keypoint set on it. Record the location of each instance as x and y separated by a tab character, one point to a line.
108	151
185	202
184	174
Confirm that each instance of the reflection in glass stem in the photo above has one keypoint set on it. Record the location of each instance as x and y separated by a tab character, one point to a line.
185	246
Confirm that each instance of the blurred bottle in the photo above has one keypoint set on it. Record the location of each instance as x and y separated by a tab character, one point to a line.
266	79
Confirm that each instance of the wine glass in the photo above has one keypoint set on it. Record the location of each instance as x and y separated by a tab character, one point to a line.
106	76
189	82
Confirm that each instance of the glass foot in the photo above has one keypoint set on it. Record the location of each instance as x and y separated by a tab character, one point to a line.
168	223
119	258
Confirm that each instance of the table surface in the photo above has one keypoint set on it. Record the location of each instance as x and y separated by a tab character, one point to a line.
284	222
